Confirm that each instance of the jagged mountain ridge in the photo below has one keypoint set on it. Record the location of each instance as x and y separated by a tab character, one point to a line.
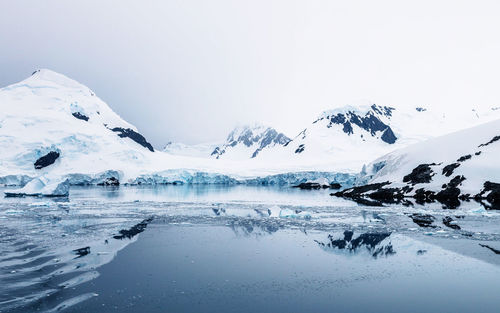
250	141
371	121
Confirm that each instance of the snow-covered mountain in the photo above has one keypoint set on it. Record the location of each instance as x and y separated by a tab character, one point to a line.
55	130
49	122
199	150
461	165
248	141
346	137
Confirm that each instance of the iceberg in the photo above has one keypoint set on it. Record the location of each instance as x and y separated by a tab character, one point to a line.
42	187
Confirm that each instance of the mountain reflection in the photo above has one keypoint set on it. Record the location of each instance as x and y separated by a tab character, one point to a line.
371	242
255	227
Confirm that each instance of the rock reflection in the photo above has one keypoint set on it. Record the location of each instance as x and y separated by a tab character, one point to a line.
373	243
134	230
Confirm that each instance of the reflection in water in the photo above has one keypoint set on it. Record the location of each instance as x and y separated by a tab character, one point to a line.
373	242
247	227
81	252
48	247
134	230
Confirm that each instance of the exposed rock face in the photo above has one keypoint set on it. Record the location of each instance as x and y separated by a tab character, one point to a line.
448	169
456	160
110	181
81	116
423	220
300	149
449	222
420	175
369	122
314	185
496	138
46	160
257	137
135	136
464	158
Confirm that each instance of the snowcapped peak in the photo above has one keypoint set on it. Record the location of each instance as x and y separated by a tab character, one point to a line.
241	130
46	76
250	140
359	110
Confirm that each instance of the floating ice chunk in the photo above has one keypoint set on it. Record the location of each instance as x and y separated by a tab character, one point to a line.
41	186
287	213
480	210
57	189
274	211
41	204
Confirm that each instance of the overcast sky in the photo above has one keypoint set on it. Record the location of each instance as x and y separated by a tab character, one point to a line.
190	70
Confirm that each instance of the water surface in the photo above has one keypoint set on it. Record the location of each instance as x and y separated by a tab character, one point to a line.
242	249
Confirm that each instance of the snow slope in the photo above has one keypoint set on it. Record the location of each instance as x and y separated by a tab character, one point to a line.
50	112
472	153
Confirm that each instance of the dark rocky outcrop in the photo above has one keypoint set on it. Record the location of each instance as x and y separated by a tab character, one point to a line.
449	222
135	136
388	136
496	138
300	148
46	160
110	181
421	174
335	186
369	122
492	192
81	116
423	220
309	185
134	230
464	158
270	137
216	151
312	185
448	169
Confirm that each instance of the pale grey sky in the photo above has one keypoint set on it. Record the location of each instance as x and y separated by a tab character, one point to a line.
190	70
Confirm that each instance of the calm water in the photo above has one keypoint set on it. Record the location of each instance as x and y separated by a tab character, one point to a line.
243	249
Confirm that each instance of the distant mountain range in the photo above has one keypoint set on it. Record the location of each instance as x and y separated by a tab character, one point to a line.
346	137
52	127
